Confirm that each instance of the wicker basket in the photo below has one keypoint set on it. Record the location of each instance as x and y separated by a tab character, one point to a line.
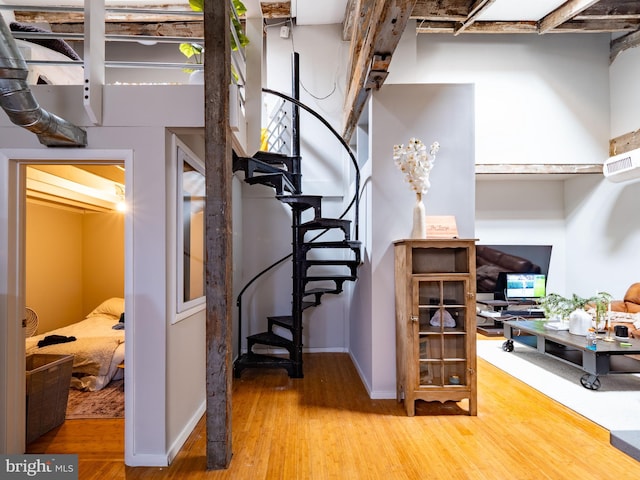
48	381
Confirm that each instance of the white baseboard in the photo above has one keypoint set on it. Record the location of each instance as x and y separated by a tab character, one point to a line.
186	431
373	394
164	460
146	460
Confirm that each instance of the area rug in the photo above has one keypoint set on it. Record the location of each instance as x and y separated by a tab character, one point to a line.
105	403
615	406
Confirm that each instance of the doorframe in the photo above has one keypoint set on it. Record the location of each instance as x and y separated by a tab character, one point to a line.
12	279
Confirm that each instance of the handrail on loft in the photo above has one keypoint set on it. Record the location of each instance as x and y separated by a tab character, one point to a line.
238	56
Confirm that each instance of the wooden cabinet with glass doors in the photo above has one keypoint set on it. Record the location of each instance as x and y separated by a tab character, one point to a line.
435	322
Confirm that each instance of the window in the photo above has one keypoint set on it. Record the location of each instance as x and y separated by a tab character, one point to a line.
191	241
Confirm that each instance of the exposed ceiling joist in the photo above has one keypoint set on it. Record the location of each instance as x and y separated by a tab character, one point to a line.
572	16
476	10
564	14
619	45
376	35
276	9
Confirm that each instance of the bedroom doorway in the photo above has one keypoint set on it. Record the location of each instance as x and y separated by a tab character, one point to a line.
74	281
69	250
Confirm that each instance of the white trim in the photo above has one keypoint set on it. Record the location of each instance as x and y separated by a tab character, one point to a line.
190	311
180	152
373	394
147	460
186	431
12	364
12	378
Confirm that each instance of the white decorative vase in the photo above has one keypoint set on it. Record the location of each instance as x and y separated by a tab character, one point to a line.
579	322
419	220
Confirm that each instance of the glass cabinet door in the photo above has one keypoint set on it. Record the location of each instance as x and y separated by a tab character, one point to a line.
441	321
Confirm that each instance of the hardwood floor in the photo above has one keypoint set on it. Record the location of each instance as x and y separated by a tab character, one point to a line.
325	427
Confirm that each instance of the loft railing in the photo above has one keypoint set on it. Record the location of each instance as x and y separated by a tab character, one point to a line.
277	133
238	58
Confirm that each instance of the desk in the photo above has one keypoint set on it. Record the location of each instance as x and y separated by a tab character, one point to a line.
608	358
491	325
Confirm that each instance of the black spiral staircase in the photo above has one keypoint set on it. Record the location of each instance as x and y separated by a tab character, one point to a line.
310	278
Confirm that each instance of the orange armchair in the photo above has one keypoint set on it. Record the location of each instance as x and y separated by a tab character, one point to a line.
630	304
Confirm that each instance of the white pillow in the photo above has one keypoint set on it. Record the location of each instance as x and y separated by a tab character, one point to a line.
112	307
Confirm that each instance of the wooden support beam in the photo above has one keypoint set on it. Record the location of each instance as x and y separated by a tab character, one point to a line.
217	68
563	14
538	169
378	32
477	8
349	19
173	29
451	10
276	9
624	143
378	72
479	27
620	44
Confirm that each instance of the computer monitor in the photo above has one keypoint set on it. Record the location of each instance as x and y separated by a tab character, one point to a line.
525	286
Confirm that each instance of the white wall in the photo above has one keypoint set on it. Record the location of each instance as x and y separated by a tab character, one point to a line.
135	121
539	99
442	113
617	217
624	94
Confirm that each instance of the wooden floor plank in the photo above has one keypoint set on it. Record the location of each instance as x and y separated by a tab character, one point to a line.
325	426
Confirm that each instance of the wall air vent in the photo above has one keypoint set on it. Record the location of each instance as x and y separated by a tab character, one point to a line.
622	167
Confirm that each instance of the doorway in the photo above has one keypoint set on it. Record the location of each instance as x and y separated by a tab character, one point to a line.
62	195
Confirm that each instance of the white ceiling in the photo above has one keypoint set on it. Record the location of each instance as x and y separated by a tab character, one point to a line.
503	10
314	12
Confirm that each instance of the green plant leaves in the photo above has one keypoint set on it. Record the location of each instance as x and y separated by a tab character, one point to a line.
196	5
191	49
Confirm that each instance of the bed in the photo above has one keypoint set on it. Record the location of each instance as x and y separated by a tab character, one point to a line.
98	348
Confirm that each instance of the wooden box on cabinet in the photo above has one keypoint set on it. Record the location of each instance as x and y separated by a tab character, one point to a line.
435	285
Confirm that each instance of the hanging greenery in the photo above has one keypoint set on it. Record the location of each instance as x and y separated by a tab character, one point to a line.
196	51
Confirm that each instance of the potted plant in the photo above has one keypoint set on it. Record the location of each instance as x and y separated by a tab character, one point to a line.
196	51
599	303
557	307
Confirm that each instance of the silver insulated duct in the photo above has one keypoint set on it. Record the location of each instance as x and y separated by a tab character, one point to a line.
21	106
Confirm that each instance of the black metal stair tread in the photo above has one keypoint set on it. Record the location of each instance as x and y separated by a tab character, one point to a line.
333	262
317	278
256	165
259	166
318	290
282	320
338	244
260	360
270	338
272	179
300	198
272	157
326	222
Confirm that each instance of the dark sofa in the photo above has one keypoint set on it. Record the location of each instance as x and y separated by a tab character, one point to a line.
490	262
